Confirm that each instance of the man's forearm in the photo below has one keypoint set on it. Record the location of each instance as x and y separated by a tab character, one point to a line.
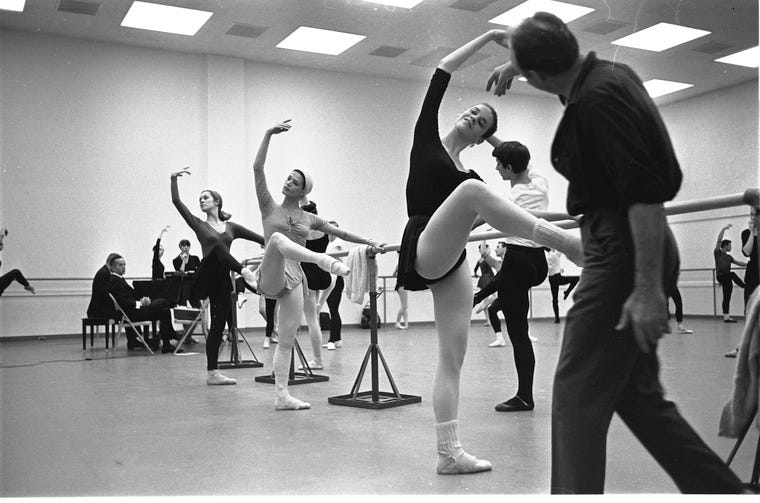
647	223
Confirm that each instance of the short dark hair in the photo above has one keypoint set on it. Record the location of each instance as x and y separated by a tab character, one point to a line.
503	244
513	153
491	130
184	242
543	43
310	207
725	243
112	258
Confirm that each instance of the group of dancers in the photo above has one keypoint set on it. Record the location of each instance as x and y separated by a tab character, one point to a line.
608	358
615	151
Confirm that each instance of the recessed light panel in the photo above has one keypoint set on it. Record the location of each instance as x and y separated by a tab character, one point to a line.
320	41
660	37
14	5
166	18
657	87
406	4
749	58
565	11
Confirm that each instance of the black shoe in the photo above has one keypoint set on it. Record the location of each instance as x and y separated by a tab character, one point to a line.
168	348
135	347
515	404
556	320
153	345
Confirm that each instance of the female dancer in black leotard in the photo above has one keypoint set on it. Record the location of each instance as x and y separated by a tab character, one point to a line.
316	280
14	274
443	200
215	235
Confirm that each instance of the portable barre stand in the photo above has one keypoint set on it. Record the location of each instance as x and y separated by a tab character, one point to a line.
235	362
374	398
304	377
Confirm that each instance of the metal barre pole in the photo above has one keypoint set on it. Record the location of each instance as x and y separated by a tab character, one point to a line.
750	197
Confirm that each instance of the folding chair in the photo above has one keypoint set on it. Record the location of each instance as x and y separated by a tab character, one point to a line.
190	318
125	321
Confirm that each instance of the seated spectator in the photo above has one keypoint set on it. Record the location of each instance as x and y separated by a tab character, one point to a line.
184	262
143	309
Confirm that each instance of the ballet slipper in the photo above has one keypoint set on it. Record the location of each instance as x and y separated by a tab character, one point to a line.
287	402
339	268
460	463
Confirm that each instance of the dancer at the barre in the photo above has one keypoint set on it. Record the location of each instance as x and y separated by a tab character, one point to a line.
443	199
333	295
279	276
675	294
524	267
486	299
157	268
316	280
613	147
749	250
723	274
215	234
402	316
557	279
14	274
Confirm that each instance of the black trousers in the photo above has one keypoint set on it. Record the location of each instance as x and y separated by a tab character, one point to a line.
214	282
157	310
675	294
601	371
333	302
11	276
522	269
727	282
557	280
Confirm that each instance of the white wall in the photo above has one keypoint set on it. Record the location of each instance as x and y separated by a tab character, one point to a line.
89	133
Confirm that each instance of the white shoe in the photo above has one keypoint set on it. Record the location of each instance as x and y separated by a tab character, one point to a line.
330	346
684	330
267	341
215	378
534	339
313	365
338	344
499	342
275	340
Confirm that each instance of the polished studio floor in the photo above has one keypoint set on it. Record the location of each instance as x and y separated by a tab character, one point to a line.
133	425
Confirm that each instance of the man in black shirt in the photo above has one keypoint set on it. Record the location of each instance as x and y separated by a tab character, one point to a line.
613	148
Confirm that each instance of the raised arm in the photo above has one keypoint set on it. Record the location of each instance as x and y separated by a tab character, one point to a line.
720	236
183	211
259	178
453	61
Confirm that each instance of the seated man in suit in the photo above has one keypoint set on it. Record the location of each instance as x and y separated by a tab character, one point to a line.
143	309
101	305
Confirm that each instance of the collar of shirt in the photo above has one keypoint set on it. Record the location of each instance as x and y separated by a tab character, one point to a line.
117	275
588	64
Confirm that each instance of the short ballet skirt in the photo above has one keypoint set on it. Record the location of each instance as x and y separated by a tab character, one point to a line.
407	276
316	278
292	278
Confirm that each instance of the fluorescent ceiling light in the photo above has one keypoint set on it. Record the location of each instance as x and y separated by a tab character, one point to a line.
749	57
320	41
660	37
406	4
565	11
657	87
166	18
15	5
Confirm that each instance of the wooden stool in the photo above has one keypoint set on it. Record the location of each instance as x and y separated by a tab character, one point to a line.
93	323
